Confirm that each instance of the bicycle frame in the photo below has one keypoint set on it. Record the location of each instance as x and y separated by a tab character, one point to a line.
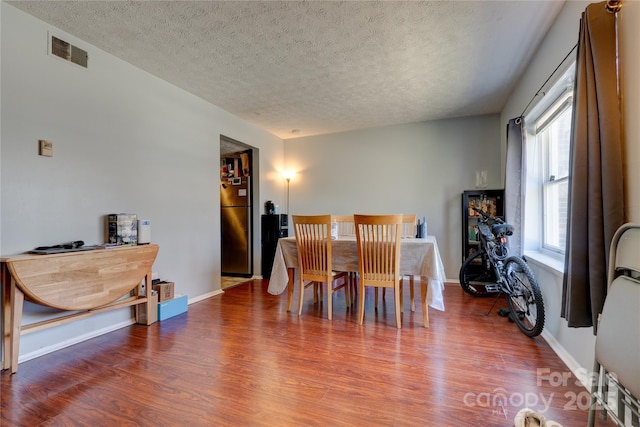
496	250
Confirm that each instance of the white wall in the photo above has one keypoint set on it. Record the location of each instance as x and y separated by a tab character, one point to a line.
124	141
576	345
419	168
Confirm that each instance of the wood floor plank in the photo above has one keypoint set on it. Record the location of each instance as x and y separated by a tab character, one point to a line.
240	359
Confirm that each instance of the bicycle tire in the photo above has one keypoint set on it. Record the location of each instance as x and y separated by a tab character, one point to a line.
477	278
525	300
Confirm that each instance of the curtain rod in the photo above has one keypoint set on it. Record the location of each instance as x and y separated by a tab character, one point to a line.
613	6
548	78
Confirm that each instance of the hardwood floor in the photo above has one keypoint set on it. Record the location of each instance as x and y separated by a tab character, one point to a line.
230	281
240	359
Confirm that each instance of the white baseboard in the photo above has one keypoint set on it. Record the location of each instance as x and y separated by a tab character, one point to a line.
580	373
205	296
75	340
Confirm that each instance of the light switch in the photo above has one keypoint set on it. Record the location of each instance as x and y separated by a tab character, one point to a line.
46	148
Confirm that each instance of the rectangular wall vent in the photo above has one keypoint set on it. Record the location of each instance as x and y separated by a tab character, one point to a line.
69	52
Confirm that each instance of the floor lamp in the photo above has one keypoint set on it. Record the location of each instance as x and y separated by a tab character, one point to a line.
288	175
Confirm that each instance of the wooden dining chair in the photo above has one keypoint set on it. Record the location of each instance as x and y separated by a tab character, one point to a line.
408	231
313	240
346	228
378	238
408	225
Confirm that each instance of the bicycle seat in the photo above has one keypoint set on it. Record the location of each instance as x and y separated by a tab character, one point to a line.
502	229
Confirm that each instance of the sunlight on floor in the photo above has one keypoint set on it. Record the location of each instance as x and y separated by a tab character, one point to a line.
229	282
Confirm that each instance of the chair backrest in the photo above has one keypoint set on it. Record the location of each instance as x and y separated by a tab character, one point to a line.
378	238
409	225
618	338
314	246
624	255
346	226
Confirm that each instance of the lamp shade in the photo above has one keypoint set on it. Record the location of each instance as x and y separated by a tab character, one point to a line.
288	174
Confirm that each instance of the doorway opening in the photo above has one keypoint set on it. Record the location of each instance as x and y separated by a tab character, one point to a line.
238	181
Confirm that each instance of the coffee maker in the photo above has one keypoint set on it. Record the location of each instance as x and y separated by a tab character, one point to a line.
269	208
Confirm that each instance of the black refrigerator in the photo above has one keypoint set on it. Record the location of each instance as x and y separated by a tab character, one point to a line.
236	231
273	228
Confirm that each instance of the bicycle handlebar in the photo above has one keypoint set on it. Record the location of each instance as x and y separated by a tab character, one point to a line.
486	217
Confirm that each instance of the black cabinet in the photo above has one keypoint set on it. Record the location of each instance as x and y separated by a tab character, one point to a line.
491	202
273	227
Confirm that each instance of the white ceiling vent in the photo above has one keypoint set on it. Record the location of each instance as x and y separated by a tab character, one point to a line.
67	51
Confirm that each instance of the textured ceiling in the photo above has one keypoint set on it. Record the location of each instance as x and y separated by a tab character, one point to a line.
320	66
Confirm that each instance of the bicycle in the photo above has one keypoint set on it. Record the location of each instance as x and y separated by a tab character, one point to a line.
491	271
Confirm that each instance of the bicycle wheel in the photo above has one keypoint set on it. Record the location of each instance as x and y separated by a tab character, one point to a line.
525	298
477	278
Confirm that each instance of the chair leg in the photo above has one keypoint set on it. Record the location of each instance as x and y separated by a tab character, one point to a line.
398	298
411	290
301	297
423	303
595	389
401	298
347	290
290	285
361	305
289	295
354	287
384	291
330	300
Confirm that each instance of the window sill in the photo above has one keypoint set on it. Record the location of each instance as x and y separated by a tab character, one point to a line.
549	263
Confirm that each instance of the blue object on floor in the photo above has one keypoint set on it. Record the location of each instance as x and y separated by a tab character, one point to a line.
173	307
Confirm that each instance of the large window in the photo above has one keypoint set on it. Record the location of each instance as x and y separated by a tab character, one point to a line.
548	140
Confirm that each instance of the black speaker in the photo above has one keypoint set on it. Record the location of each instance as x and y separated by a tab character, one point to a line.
271	231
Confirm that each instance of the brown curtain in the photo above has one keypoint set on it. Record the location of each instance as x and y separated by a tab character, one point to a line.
596	179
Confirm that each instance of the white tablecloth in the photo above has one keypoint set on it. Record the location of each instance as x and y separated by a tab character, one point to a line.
418	257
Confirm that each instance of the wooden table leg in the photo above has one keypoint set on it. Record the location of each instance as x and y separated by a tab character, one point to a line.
411	291
17	302
353	276
425	309
143	311
6	318
290	285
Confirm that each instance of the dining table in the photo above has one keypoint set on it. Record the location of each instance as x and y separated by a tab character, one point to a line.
419	257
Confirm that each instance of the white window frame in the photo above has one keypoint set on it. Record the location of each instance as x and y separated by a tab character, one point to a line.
555	101
562	105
